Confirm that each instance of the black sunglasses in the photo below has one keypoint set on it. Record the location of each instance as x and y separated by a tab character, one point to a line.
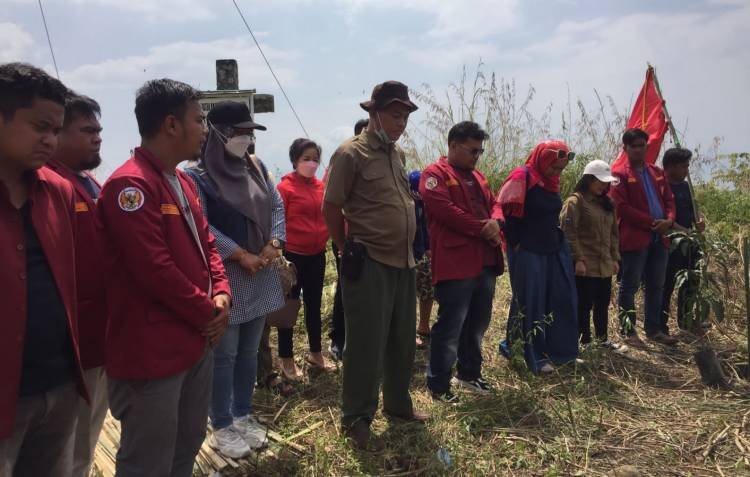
561	154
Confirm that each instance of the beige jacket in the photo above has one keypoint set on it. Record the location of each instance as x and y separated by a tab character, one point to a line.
592	234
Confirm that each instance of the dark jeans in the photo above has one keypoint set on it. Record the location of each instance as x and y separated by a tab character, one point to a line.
593	293
650	266
381	319
338	326
677	261
311	271
464	313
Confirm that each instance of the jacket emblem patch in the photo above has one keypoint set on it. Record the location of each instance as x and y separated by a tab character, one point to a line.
130	199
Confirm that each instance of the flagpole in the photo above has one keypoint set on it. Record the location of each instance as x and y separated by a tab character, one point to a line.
675	139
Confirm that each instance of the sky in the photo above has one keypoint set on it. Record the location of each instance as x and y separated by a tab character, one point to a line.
328	55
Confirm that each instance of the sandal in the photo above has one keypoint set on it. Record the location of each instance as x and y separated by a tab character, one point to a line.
294	375
423	340
277	385
327	366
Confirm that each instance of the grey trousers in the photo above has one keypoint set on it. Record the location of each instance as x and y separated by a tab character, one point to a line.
90	421
163	421
42	440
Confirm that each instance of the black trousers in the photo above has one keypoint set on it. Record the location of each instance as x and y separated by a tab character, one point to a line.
593	294
338	327
310	274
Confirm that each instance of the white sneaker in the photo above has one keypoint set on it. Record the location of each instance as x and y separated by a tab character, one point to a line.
253	432
547	368
229	442
615	347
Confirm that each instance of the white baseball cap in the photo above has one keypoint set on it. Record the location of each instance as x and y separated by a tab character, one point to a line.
601	171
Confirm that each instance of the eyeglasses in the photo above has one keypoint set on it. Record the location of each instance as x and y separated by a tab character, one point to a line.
474	151
562	154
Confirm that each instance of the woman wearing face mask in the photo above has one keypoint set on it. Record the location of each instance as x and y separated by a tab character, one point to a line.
307	237
542	319
246	215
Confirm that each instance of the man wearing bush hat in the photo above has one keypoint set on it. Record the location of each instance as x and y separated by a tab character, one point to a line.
368	185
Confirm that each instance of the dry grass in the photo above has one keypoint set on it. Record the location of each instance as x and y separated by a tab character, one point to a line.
645	412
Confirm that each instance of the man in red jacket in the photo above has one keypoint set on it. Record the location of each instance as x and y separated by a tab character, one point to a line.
77	154
645	213
39	361
168	296
466	260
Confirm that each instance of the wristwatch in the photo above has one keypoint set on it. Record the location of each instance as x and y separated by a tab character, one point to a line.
277	244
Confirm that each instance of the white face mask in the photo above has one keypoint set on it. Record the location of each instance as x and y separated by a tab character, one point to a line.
307	168
237	145
381	132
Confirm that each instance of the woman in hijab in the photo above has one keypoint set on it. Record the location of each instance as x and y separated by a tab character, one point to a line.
246	215
542	319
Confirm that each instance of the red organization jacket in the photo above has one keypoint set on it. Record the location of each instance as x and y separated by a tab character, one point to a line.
51	199
91	271
158	297
306	231
633	215
457	248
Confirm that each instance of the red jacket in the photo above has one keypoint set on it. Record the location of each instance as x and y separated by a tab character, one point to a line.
457	248
91	271
51	199
633	216
158	296
306	232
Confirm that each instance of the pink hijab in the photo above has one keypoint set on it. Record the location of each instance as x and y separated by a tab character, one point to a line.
512	196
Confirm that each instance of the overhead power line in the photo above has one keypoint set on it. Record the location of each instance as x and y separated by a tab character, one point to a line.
49	40
289	101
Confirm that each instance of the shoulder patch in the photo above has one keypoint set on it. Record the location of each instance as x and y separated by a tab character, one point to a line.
430	183
130	199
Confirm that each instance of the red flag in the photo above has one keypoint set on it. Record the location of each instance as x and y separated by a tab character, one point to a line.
648	114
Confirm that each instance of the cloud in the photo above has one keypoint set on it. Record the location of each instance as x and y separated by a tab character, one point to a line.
16	42
703	66
192	62
113	83
161	10
470	19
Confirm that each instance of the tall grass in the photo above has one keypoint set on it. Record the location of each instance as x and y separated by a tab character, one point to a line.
507	114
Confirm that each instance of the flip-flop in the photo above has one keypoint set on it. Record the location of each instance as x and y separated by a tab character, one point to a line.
289	377
277	385
318	367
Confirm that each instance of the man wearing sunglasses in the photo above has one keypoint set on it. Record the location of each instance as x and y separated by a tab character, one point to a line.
466	260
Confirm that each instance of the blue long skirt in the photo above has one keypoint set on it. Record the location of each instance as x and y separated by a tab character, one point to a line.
543	307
